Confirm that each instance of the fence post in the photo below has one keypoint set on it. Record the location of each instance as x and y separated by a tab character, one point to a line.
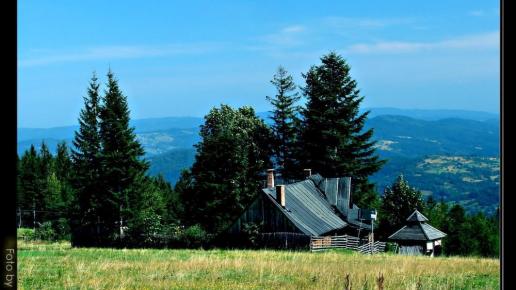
20	219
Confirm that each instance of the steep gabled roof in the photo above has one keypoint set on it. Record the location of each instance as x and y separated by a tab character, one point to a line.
307	208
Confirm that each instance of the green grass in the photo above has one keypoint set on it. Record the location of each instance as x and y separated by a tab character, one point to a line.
58	266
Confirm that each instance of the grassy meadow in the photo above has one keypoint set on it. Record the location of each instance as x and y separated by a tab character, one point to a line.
59	266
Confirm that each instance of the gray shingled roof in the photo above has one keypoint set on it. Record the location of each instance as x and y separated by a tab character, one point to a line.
416	216
330	187
307	208
417	230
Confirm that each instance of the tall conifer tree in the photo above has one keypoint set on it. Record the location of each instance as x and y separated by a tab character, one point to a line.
122	164
64	173
332	136
286	124
86	181
29	180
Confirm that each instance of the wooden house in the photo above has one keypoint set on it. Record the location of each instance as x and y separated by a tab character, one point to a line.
289	214
417	237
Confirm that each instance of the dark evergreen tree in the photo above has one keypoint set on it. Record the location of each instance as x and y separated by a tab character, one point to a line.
228	169
47	160
173	207
29	182
332	135
398	202
480	237
45	195
20	195
436	212
122	163
456	230
148	209
86	180
286	125
64	173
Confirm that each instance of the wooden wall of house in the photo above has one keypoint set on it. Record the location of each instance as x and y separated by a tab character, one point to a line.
263	211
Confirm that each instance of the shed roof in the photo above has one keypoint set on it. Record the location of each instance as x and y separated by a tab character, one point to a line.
416	216
417	230
307	208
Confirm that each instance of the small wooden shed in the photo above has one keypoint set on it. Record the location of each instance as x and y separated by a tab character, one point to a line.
417	237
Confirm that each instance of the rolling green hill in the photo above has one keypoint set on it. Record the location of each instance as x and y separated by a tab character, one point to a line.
472	181
457	159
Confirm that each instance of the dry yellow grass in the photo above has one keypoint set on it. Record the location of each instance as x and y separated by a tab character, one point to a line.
58	266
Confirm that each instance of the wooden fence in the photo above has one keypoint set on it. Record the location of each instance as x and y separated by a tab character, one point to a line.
334	242
372	248
345	242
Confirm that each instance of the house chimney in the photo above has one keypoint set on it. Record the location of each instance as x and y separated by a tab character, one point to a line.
308	172
347	191
280	194
270	178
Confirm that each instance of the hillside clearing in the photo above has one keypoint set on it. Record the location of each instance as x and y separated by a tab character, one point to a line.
58	266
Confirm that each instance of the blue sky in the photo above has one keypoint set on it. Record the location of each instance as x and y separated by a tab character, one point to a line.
182	58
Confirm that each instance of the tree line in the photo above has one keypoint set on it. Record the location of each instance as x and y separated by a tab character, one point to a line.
108	198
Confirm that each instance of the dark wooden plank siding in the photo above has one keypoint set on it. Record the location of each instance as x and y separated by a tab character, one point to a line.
262	211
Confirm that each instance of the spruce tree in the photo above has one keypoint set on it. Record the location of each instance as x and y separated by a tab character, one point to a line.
456	230
122	164
286	125
64	173
20	195
86	180
29	182
333	140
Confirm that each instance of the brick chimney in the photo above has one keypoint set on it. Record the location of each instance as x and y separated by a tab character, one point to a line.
308	172
280	194
270	178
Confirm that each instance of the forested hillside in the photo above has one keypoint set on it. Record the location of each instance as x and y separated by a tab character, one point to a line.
407	143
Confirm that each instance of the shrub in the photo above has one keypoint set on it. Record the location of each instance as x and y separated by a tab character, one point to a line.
62	229
252	232
194	236
391	247
146	230
45	232
25	234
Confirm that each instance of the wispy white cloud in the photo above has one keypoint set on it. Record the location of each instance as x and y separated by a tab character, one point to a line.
287	36
476	13
489	40
293	29
484	12
115	52
365	23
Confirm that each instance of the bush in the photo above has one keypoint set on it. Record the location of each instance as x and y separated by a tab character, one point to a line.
194	236
45	232
62	229
25	234
252	232
391	247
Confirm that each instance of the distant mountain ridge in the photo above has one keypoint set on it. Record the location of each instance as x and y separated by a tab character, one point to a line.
434	115
156	124
415	147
